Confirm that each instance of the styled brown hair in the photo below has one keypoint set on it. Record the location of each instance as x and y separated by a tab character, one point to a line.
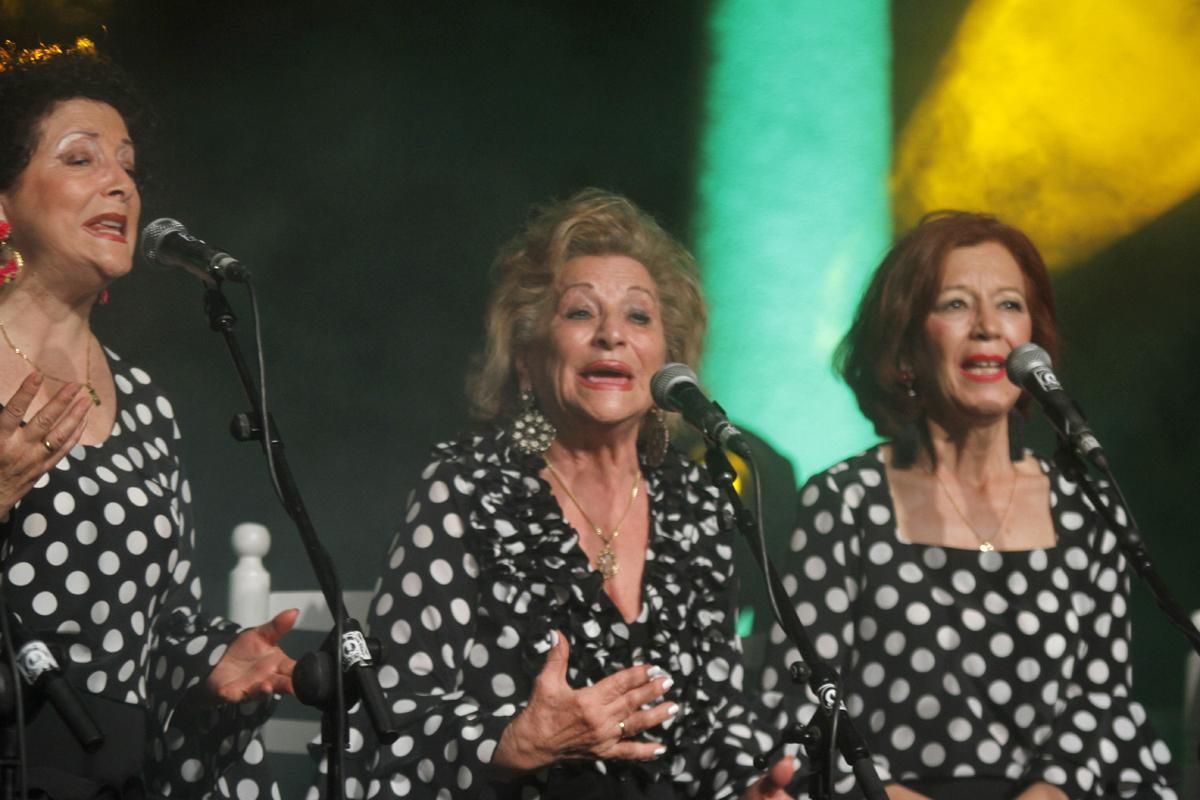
888	327
592	222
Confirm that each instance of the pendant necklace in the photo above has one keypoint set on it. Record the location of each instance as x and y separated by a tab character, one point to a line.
606	562
87	369
985	542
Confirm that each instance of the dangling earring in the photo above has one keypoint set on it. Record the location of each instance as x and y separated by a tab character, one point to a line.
656	436
14	263
531	432
909	383
103	299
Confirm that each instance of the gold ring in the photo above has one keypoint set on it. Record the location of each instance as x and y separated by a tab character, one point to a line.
621	725
49	447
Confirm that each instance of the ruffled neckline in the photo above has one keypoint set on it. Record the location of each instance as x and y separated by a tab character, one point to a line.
529	555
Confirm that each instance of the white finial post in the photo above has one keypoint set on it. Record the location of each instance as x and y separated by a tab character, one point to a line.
249	581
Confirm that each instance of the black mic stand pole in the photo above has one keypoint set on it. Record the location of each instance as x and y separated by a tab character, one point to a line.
350	652
830	725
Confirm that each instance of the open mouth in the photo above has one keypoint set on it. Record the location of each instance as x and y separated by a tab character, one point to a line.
107	226
983	368
607	375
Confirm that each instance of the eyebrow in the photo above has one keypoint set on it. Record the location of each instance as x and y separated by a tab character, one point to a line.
592	286
126	141
965	288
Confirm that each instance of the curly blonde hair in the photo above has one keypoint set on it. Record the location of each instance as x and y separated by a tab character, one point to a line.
592	222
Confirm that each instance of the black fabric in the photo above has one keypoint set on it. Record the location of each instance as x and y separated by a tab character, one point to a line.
55	761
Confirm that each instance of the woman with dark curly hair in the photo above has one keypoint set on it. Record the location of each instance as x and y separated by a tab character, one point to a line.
558	606
974	601
94	505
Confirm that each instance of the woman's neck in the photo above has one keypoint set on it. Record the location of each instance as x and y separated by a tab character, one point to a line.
608	462
974	455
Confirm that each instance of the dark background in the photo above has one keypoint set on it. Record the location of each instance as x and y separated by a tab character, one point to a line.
367	159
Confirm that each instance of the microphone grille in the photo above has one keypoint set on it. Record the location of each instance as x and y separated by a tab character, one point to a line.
153	234
667	377
1024	359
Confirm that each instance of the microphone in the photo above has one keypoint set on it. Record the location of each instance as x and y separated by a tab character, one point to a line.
165	241
1029	367
674	388
40	671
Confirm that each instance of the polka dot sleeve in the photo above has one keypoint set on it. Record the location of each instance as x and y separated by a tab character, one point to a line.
194	739
1099	744
425	615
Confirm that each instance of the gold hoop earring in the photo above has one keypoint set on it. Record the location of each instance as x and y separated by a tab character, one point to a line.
656	437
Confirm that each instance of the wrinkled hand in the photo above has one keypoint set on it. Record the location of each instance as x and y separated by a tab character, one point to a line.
254	664
561	722
772	785
897	792
30	451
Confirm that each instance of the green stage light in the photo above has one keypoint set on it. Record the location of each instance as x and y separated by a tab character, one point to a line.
792	211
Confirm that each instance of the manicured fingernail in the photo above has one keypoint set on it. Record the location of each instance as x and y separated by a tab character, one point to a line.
667	683
654	672
554	638
673	709
660	750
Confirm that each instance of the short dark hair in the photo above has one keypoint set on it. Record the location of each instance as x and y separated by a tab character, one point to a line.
888	328
31	88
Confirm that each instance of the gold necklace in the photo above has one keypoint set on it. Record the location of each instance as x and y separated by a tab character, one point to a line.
985	543
87	369
606	562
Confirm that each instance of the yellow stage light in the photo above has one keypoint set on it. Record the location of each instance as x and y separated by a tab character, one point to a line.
1075	120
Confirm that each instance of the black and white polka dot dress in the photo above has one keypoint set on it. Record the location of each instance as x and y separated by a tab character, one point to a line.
483	568
97	562
956	663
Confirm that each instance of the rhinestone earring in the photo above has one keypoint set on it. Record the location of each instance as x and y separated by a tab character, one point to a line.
531	432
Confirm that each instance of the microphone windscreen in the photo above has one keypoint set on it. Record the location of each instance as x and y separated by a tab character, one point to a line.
665	379
155	232
1024	359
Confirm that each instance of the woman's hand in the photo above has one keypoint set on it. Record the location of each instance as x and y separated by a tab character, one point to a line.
1042	791
598	721
897	792
27	452
771	785
254	664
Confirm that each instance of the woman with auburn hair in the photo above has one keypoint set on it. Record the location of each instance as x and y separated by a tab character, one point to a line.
558	606
973	600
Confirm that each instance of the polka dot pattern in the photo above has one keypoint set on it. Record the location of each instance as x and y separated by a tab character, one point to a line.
1011	665
82	564
483	569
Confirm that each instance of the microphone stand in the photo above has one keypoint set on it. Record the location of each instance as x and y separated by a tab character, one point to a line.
345	651
829	728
